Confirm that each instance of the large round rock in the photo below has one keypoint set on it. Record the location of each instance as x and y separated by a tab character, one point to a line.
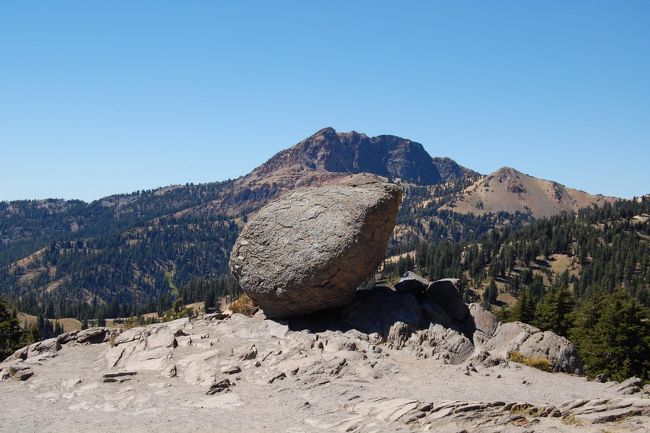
311	249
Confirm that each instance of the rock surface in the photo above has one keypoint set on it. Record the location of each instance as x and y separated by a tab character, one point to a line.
412	283
292	379
312	248
533	343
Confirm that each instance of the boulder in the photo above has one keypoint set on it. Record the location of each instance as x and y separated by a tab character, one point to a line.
558	350
631	385
485	323
92	335
311	249
412	283
433	313
441	343
51	345
445	294
533	343
377	310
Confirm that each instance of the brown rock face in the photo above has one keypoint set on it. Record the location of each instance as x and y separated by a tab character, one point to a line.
312	248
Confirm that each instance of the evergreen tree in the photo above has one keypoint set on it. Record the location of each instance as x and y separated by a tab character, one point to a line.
524	310
553	313
490	294
612	334
210	301
10	332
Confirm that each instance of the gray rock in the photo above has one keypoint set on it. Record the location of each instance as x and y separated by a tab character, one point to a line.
312	248
558	350
221	386
412	283
128	336
250	353
376	310
434	313
18	355
630	385
601	378
21	372
533	343
92	336
485	323
67	337
441	343
398	335
231	369
51	345
445	294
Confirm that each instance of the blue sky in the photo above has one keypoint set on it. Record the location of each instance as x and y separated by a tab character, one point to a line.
108	97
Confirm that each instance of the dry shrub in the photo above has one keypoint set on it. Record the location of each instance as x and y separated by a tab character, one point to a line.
243	305
538	363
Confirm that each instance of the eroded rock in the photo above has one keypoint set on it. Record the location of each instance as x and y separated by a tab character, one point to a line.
312	248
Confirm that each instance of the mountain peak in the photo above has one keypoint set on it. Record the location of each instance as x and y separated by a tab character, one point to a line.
510	190
327	131
353	152
507	171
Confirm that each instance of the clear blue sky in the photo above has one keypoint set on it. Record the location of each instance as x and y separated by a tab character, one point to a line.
102	97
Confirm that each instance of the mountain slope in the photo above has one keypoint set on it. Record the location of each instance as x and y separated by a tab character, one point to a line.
131	252
511	191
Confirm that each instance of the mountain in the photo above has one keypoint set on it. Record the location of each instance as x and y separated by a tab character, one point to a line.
511	191
134	252
386	155
328	155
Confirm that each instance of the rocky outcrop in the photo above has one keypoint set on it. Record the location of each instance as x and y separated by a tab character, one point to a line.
412	283
258	372
445	294
533	343
310	249
376	311
485	324
18	365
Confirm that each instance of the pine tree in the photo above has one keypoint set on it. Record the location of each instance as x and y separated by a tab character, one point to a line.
10	332
209	303
524	310
612	334
490	294
553	313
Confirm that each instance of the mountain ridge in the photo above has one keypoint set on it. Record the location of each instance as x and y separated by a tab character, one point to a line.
508	189
132	249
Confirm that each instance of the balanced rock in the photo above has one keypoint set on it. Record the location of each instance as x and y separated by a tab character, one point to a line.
311	249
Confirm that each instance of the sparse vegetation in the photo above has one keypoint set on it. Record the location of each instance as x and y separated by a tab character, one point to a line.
538	363
243	305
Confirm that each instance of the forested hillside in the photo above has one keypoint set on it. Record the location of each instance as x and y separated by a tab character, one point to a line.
585	276
598	249
132	253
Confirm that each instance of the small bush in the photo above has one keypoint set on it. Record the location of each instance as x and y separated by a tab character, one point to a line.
244	305
538	363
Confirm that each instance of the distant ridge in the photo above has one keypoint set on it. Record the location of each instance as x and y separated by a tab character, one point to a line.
509	190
